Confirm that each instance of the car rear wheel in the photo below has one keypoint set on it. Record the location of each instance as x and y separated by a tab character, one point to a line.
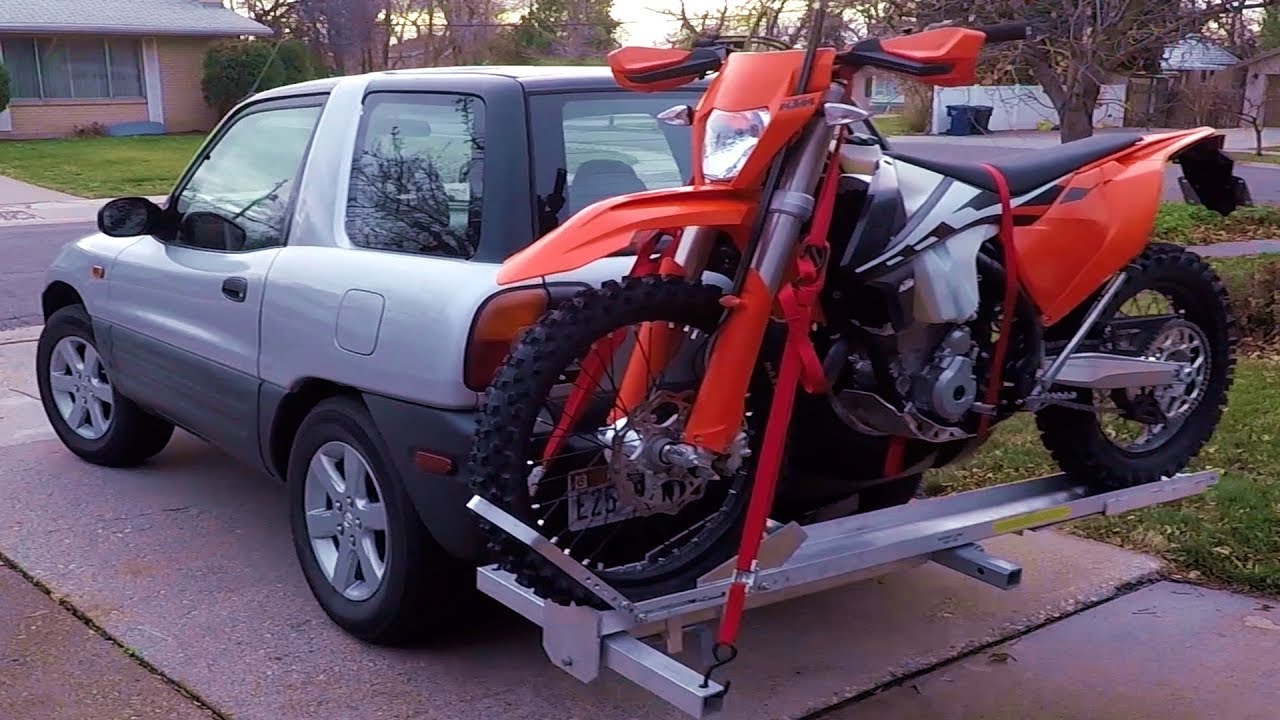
365	553
87	412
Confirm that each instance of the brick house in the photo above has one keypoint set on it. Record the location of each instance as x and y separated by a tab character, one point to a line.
76	62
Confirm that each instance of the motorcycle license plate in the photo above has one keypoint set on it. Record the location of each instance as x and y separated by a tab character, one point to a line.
593	500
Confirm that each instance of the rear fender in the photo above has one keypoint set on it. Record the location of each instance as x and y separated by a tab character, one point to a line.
1208	170
612	225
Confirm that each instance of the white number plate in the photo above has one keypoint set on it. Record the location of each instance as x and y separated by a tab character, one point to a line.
592	505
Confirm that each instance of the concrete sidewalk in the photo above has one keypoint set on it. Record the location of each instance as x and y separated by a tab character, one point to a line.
26	204
57	668
55	212
1168	651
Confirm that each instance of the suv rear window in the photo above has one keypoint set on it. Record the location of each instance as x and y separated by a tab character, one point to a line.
604	144
417	175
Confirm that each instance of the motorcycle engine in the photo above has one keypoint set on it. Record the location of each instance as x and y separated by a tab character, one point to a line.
947	387
931	371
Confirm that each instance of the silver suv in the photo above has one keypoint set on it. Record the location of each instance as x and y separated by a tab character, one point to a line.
317	299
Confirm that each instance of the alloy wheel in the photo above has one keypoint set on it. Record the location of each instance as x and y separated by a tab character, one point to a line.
346	520
81	389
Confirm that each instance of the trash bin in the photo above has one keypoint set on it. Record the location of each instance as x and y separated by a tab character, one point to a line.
962	117
982	117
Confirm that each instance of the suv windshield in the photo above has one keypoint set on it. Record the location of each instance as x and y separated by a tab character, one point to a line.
589	147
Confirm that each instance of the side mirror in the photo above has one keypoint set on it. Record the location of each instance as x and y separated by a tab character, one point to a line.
211	231
129	217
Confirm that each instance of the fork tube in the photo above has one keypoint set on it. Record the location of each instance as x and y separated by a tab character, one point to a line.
694	250
716	416
792	204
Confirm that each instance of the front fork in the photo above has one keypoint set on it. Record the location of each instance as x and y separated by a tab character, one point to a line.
716	417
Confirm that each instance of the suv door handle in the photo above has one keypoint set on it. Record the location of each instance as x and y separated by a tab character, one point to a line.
235	288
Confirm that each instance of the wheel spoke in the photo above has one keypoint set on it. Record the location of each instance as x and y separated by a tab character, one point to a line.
353	475
366	552
372	516
92	363
324	523
62	383
77	415
102	391
97	415
70	357
323	472
344	571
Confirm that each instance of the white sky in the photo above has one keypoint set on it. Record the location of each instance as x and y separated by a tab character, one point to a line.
644	24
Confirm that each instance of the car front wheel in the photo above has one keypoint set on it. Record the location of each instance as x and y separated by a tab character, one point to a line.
368	559
89	415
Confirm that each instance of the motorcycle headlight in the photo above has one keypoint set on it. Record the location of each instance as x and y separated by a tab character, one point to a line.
730	139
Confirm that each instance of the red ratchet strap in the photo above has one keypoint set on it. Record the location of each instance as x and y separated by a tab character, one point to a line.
800	366
648	262
1010	253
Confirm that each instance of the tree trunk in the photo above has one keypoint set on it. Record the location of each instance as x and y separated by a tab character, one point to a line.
1076	114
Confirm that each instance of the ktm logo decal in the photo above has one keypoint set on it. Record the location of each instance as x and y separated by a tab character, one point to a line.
797	103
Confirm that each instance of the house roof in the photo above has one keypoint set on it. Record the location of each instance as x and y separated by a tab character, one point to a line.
1195	52
126	17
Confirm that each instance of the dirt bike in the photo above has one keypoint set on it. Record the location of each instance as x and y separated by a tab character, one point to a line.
882	317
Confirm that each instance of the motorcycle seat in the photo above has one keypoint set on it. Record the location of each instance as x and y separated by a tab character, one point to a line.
1029	169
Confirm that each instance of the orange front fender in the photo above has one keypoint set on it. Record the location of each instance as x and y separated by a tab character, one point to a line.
602	229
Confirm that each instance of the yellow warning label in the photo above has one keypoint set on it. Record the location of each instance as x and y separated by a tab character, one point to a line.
1032	519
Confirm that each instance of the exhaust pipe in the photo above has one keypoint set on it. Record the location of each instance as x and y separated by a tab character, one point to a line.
1104	371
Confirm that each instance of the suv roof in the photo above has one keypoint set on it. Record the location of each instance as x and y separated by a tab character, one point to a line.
542	78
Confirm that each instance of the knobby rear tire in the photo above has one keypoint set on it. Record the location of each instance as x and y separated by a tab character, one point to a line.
1075	438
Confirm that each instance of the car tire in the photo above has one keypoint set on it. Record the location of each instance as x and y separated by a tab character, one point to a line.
93	419
421	588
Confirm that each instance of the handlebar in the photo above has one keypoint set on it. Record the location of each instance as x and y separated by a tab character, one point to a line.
1006	32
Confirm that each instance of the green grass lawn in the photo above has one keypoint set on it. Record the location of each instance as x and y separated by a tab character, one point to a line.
891	125
101	167
1197	225
1253	157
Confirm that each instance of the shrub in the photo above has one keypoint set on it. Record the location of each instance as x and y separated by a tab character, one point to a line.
296	62
232	67
93	129
1256	305
5	88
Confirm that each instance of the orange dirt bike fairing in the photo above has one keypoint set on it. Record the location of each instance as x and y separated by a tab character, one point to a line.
917	302
1101	220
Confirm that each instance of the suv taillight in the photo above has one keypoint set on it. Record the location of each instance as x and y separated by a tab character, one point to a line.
498	324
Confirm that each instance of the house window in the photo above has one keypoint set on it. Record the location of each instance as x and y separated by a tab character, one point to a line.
74	67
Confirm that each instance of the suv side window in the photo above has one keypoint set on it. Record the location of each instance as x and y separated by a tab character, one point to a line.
591	147
417	175
247	178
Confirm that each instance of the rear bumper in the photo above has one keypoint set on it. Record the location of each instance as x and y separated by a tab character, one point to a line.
439	499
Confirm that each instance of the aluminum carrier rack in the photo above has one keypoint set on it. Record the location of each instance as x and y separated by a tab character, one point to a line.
794	561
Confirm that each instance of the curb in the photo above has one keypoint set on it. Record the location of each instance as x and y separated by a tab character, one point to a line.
20	335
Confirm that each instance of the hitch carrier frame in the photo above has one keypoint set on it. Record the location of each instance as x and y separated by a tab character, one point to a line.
795	561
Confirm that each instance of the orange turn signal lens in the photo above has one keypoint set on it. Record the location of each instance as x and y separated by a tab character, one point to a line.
496	327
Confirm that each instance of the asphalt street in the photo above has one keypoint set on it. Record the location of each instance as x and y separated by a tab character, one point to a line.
25	253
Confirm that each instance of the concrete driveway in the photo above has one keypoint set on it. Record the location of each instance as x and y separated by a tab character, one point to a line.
188	563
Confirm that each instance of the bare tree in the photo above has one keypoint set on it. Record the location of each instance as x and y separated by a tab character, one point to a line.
1083	43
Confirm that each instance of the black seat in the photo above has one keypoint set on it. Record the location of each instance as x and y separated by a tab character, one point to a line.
600	179
1027	170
